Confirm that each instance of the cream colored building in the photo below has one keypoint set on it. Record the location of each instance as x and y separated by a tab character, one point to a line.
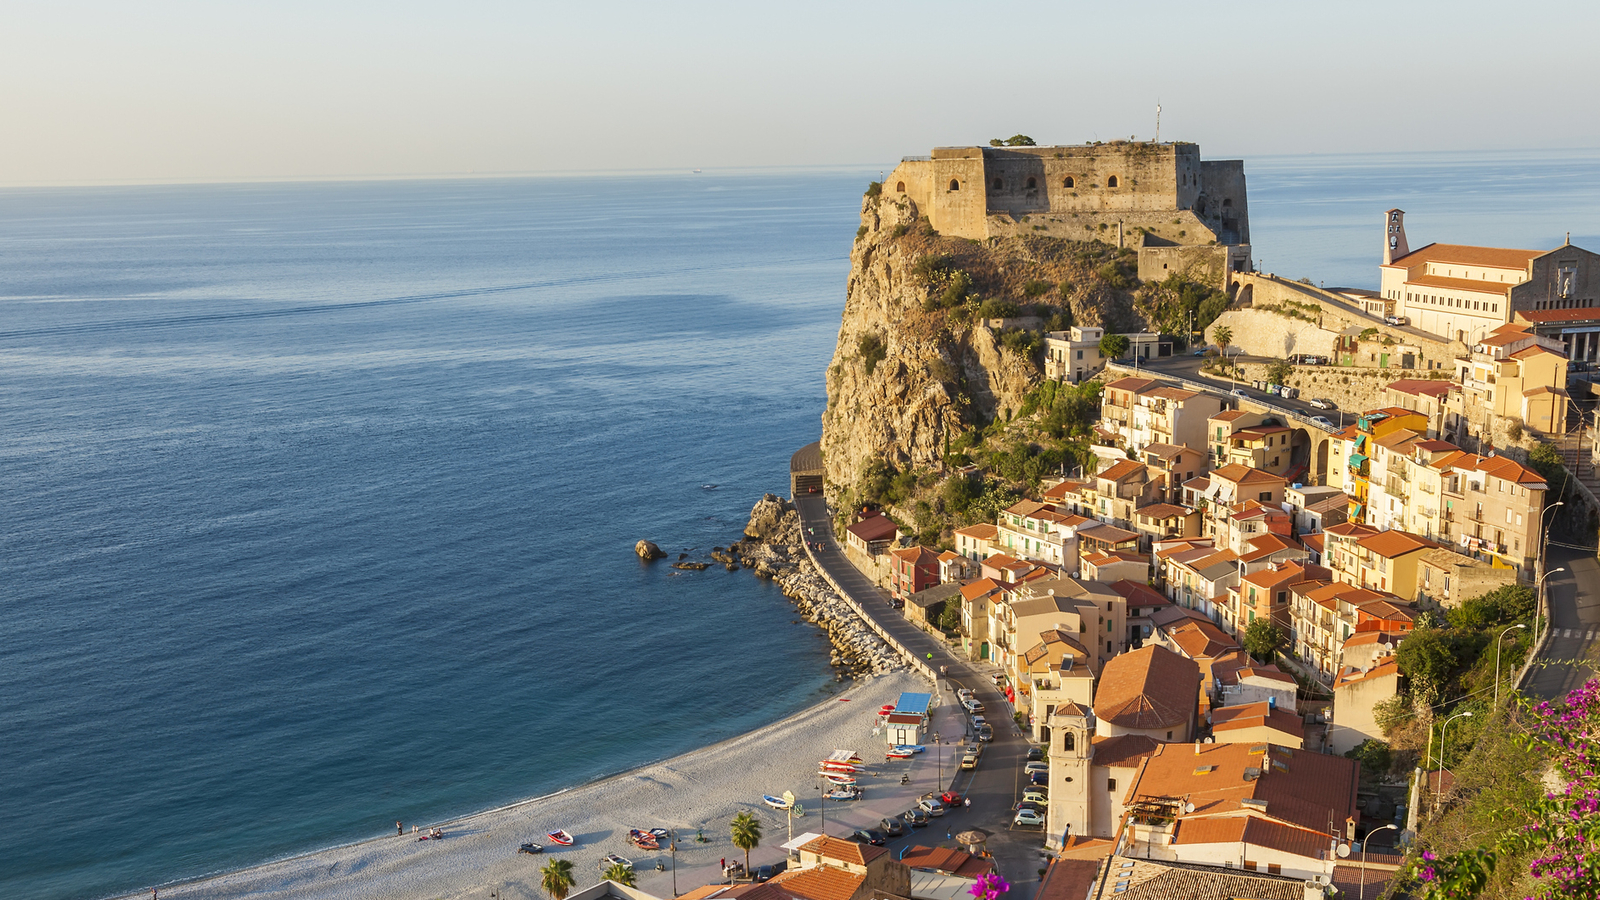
1513	373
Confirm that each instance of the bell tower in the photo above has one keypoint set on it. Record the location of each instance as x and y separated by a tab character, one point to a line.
1071	755
1394	236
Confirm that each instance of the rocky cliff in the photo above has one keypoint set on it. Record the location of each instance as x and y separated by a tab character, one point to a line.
940	335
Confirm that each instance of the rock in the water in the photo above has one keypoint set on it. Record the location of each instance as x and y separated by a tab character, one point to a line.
648	550
767	516
692	566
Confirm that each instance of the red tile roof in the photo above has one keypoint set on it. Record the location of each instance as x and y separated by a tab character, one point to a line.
1124	750
1120	470
844	851
1418	387
1466	255
1299	787
1148	688
1139	595
873	528
946	860
821	882
1257	715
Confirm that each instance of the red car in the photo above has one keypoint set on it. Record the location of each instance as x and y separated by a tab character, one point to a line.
950	798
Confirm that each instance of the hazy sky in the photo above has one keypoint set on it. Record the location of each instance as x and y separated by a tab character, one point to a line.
168	90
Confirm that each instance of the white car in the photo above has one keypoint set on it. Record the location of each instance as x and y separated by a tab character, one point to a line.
965	694
1324	421
1028	817
979	721
1033	767
931	806
973	706
1320	403
1239	392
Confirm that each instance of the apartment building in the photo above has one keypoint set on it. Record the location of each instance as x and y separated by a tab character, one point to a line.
1431	398
1074	354
1513	373
1169	466
1137	412
1491	509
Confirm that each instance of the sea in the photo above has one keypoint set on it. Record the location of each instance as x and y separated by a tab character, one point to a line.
318	500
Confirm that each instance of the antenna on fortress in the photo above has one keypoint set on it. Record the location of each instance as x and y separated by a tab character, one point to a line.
1158	121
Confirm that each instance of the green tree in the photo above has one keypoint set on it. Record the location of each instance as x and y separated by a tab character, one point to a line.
1278	371
621	874
1427	657
1223	335
1016	140
1373	755
1262	639
746	834
950	617
1113	346
557	878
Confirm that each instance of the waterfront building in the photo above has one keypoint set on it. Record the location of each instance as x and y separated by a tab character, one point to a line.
912	569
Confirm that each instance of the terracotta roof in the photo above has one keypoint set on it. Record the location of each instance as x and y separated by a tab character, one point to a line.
1313	541
1239	474
1166	615
1535	350
842	850
1170	393
1147	688
1270	577
1062	489
822	882
1257	715
1162	510
1069	878
1498	338
1418	387
1124	750
1131	384
946	860
1111	534
1541	316
1350	529
972	590
1139	594
1260	430
1385	667
1228	415
1269	672
873	528
1165	451
983	531
1390	544
1466	255
1255	831
1299	787
1200	638
1120	470
1469	285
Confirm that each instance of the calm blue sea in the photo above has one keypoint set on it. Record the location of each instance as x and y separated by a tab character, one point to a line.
317	501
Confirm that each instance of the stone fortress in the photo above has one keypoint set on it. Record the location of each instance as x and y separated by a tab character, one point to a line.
1181	213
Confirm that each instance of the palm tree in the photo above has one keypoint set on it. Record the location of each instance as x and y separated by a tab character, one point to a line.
746	833
621	874
557	878
1223	335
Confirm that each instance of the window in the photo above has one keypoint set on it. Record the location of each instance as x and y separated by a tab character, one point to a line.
1264	496
1274	869
955	185
1072	742
1111	182
1032	184
1227	201
900	187
1111	784
1067	181
1169	735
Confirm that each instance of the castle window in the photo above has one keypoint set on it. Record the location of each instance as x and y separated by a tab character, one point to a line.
1111	182
1072	743
955	185
998	184
901	187
1227	201
1068	182
1032	184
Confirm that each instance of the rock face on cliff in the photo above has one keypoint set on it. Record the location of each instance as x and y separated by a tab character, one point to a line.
916	364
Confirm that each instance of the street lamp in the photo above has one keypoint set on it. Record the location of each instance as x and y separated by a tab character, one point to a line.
1438	790
1540	608
1361	893
673	849
938	760
1497	660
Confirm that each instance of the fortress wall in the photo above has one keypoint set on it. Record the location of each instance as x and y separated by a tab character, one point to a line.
912	179
959	213
1208	265
1227	202
1175	226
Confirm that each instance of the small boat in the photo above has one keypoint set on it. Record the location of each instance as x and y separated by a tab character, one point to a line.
531	847
611	859
838	778
829	765
845	756
659	833
644	840
845	794
708	487
776	802
560	836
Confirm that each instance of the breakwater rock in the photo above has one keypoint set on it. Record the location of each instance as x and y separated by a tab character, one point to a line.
774	547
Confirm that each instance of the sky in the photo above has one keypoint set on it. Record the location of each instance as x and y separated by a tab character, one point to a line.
93	91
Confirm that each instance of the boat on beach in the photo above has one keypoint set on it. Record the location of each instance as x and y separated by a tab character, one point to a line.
829	765
838	777
560	836
644	840
776	802
849	757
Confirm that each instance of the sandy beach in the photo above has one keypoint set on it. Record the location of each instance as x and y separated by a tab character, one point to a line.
703	789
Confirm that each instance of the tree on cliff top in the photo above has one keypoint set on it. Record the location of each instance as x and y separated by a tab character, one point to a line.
1016	140
1113	346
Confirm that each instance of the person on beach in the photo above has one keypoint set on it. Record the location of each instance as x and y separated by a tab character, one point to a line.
399	829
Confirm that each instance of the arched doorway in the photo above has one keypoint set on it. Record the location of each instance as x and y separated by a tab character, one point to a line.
900	188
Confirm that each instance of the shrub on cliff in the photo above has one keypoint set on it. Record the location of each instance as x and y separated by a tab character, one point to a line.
997	309
1016	140
1023	342
874	188
872	351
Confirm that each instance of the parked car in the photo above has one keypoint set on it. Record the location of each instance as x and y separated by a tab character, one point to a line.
985	734
1035	754
868	836
1039	779
1320	403
1396	320
1325	422
965	694
1029	804
764	873
916	818
969	761
1028	817
950	798
1238	392
1032	767
1036	795
979	721
931	806
973	706
893	827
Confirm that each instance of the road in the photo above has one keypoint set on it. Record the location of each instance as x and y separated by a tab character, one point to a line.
1573	654
996	785
1189	367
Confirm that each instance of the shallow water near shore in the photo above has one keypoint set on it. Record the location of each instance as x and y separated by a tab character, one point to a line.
320	499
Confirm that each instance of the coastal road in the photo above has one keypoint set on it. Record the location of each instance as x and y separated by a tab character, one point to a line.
1573	654
996	784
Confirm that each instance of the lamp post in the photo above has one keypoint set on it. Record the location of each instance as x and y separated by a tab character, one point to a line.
1540	608
938	760
1438	789
673	849
1361	893
1497	660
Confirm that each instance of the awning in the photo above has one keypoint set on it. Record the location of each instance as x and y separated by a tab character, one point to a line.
1356	460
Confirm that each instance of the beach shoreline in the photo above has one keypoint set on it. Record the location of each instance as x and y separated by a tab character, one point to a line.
699	790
